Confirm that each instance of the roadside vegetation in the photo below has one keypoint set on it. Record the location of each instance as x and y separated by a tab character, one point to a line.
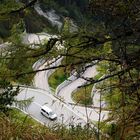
83	95
20	126
16	125
111	40
59	76
16	66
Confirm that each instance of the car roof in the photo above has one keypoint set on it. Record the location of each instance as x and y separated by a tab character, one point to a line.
46	108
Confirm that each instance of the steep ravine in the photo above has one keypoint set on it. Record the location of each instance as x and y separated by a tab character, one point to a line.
50	15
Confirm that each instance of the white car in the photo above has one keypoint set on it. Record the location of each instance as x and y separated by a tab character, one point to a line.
47	112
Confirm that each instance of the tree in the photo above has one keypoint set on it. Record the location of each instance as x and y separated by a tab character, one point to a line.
117	26
7	95
112	39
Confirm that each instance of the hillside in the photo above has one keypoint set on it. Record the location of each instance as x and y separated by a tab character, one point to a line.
103	34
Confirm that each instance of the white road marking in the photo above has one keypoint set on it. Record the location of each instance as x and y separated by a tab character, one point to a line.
36	104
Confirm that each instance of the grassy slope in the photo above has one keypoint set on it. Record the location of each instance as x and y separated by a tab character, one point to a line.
18	126
83	95
57	78
21	126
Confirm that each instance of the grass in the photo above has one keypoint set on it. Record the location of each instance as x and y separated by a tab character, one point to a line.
18	126
18	116
57	77
83	95
98	76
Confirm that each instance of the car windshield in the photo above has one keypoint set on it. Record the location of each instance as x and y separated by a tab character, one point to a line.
51	113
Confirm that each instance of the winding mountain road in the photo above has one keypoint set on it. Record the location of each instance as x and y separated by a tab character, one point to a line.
40	97
66	92
66	112
41	81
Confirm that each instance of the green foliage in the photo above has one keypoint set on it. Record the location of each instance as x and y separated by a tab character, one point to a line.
20	126
111	129
8	20
17	116
36	26
60	74
7	6
76	133
83	95
4	28
66	26
7	95
114	42
17	65
73	9
57	77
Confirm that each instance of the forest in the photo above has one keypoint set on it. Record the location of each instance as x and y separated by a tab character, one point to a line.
99	34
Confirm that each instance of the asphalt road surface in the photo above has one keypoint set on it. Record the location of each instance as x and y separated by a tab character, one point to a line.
65	114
